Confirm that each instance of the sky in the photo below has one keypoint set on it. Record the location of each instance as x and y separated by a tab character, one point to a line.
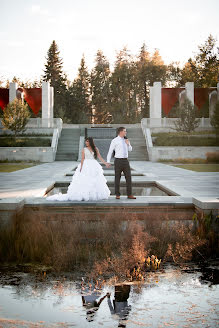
28	27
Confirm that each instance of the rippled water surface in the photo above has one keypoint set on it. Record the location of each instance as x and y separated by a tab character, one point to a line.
174	297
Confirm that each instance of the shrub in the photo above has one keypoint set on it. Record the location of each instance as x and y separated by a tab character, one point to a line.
184	161
169	140
215	118
15	116
187	117
108	244
212	157
25	142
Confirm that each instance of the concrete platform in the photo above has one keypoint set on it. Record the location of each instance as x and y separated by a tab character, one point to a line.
193	189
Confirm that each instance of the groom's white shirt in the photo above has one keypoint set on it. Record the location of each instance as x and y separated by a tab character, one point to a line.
121	148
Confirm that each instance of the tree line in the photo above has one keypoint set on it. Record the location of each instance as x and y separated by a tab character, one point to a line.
122	94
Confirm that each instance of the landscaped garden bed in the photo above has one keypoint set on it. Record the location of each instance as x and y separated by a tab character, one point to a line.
25	142
182	140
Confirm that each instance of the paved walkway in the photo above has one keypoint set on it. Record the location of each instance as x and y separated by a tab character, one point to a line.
201	188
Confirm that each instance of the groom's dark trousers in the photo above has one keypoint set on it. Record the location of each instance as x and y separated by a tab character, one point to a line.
122	165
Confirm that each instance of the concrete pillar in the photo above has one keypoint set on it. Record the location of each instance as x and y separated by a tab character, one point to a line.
51	102
155	101
46	104
12	91
151	102
190	91
218	91
182	97
213	97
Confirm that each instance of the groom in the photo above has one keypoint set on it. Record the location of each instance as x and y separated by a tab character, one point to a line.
121	146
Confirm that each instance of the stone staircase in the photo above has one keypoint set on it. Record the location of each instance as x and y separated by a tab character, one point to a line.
137	140
68	145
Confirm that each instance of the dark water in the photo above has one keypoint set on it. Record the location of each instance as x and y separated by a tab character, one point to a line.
172	297
137	191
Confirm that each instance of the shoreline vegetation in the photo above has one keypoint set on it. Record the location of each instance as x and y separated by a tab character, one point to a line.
107	245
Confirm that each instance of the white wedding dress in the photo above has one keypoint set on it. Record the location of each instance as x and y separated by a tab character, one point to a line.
89	184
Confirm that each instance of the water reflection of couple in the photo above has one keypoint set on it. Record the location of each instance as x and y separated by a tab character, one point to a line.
88	182
119	307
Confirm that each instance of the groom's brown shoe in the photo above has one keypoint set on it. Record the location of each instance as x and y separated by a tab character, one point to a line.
131	197
117	197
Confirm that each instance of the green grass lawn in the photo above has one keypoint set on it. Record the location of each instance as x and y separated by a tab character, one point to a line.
199	167
11	167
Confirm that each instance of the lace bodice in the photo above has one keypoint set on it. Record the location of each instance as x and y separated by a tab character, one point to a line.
88	154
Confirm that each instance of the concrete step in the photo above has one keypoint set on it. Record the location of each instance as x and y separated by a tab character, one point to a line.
73	145
69	149
68	145
137	139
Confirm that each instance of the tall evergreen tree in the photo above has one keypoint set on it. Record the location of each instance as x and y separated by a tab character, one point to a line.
143	80
124	88
157	69
100	89
203	69
150	68
54	74
80	103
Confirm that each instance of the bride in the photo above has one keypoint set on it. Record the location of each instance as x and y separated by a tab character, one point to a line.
88	182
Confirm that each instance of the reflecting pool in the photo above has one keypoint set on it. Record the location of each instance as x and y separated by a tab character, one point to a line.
172	296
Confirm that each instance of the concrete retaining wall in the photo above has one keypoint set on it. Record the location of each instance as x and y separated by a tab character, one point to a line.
42	154
164	124
157	153
30	131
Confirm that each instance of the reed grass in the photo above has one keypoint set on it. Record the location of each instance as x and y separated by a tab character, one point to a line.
112	244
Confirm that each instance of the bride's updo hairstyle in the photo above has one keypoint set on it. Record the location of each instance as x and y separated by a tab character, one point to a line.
93	147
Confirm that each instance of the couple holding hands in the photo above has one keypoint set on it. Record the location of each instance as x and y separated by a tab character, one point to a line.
88	182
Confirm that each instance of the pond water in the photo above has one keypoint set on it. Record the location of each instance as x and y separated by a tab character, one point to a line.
175	297
137	191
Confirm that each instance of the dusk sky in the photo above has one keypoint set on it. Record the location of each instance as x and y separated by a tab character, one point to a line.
27	28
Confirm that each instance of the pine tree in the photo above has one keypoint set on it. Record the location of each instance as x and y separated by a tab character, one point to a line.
80	105
100	89
124	89
207	63
54	74
143	80
150	68
203	68
157	69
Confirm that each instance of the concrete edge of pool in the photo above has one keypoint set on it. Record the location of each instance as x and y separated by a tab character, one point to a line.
139	184
171	207
170	182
